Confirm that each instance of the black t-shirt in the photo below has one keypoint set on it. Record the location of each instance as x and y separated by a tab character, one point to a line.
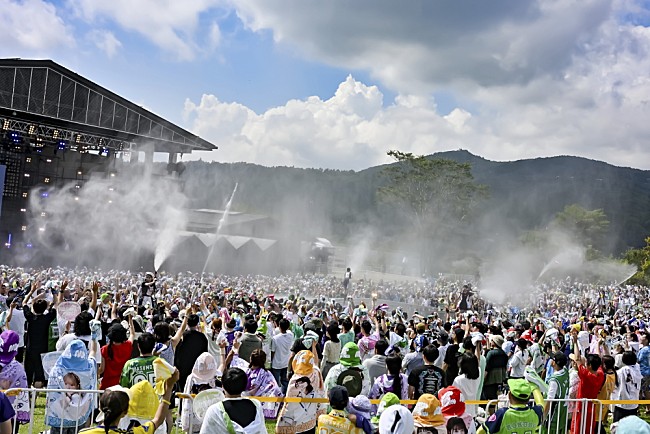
194	344
241	411
427	379
38	327
451	359
298	346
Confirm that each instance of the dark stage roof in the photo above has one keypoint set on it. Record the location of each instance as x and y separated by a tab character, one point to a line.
44	99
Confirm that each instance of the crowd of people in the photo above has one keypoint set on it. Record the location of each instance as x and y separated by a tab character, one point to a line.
207	344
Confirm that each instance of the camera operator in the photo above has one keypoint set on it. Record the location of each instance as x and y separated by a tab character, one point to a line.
465	302
147	290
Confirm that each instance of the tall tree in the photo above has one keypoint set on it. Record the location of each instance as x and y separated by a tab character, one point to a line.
437	195
587	226
640	258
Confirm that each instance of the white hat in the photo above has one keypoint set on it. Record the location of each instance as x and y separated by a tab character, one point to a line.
396	419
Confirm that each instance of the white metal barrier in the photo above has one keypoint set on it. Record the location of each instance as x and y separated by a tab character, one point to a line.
39	421
558	420
587	414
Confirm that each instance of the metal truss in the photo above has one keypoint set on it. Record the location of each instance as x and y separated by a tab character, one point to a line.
42	133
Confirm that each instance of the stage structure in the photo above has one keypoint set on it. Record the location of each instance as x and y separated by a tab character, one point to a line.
57	127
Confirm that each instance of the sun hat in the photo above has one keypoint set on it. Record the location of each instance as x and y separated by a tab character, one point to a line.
388	400
427	411
451	401
396	420
303	362
129	311
497	340
350	355
9	340
360	406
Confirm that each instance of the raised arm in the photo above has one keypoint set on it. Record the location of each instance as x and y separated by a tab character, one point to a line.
32	288
576	350
10	314
114	315
179	333
92	349
163	407
93	301
131	329
234	351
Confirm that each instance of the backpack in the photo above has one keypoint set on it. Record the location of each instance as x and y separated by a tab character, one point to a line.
352	379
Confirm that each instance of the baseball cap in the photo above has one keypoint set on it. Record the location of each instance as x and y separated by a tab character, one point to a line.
520	389
560	358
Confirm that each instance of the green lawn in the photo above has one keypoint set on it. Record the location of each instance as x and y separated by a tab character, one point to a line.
39	420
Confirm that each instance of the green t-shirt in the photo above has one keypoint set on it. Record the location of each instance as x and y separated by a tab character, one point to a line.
520	419
138	369
52	335
558	412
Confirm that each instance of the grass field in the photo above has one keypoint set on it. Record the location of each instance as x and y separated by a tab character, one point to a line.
39	421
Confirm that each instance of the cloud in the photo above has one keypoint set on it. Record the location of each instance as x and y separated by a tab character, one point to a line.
106	41
354	128
32	28
214	36
422	45
532	79
173	26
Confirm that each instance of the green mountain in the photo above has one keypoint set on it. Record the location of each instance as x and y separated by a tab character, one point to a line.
524	195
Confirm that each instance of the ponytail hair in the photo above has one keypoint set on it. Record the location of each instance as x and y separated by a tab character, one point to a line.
113	403
394	368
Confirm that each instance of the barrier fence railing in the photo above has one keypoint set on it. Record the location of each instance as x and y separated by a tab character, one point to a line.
82	409
559	414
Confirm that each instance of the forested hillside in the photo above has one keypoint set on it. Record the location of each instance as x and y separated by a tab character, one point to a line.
523	195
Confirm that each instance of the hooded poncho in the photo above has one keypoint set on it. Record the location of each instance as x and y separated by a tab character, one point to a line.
71	409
